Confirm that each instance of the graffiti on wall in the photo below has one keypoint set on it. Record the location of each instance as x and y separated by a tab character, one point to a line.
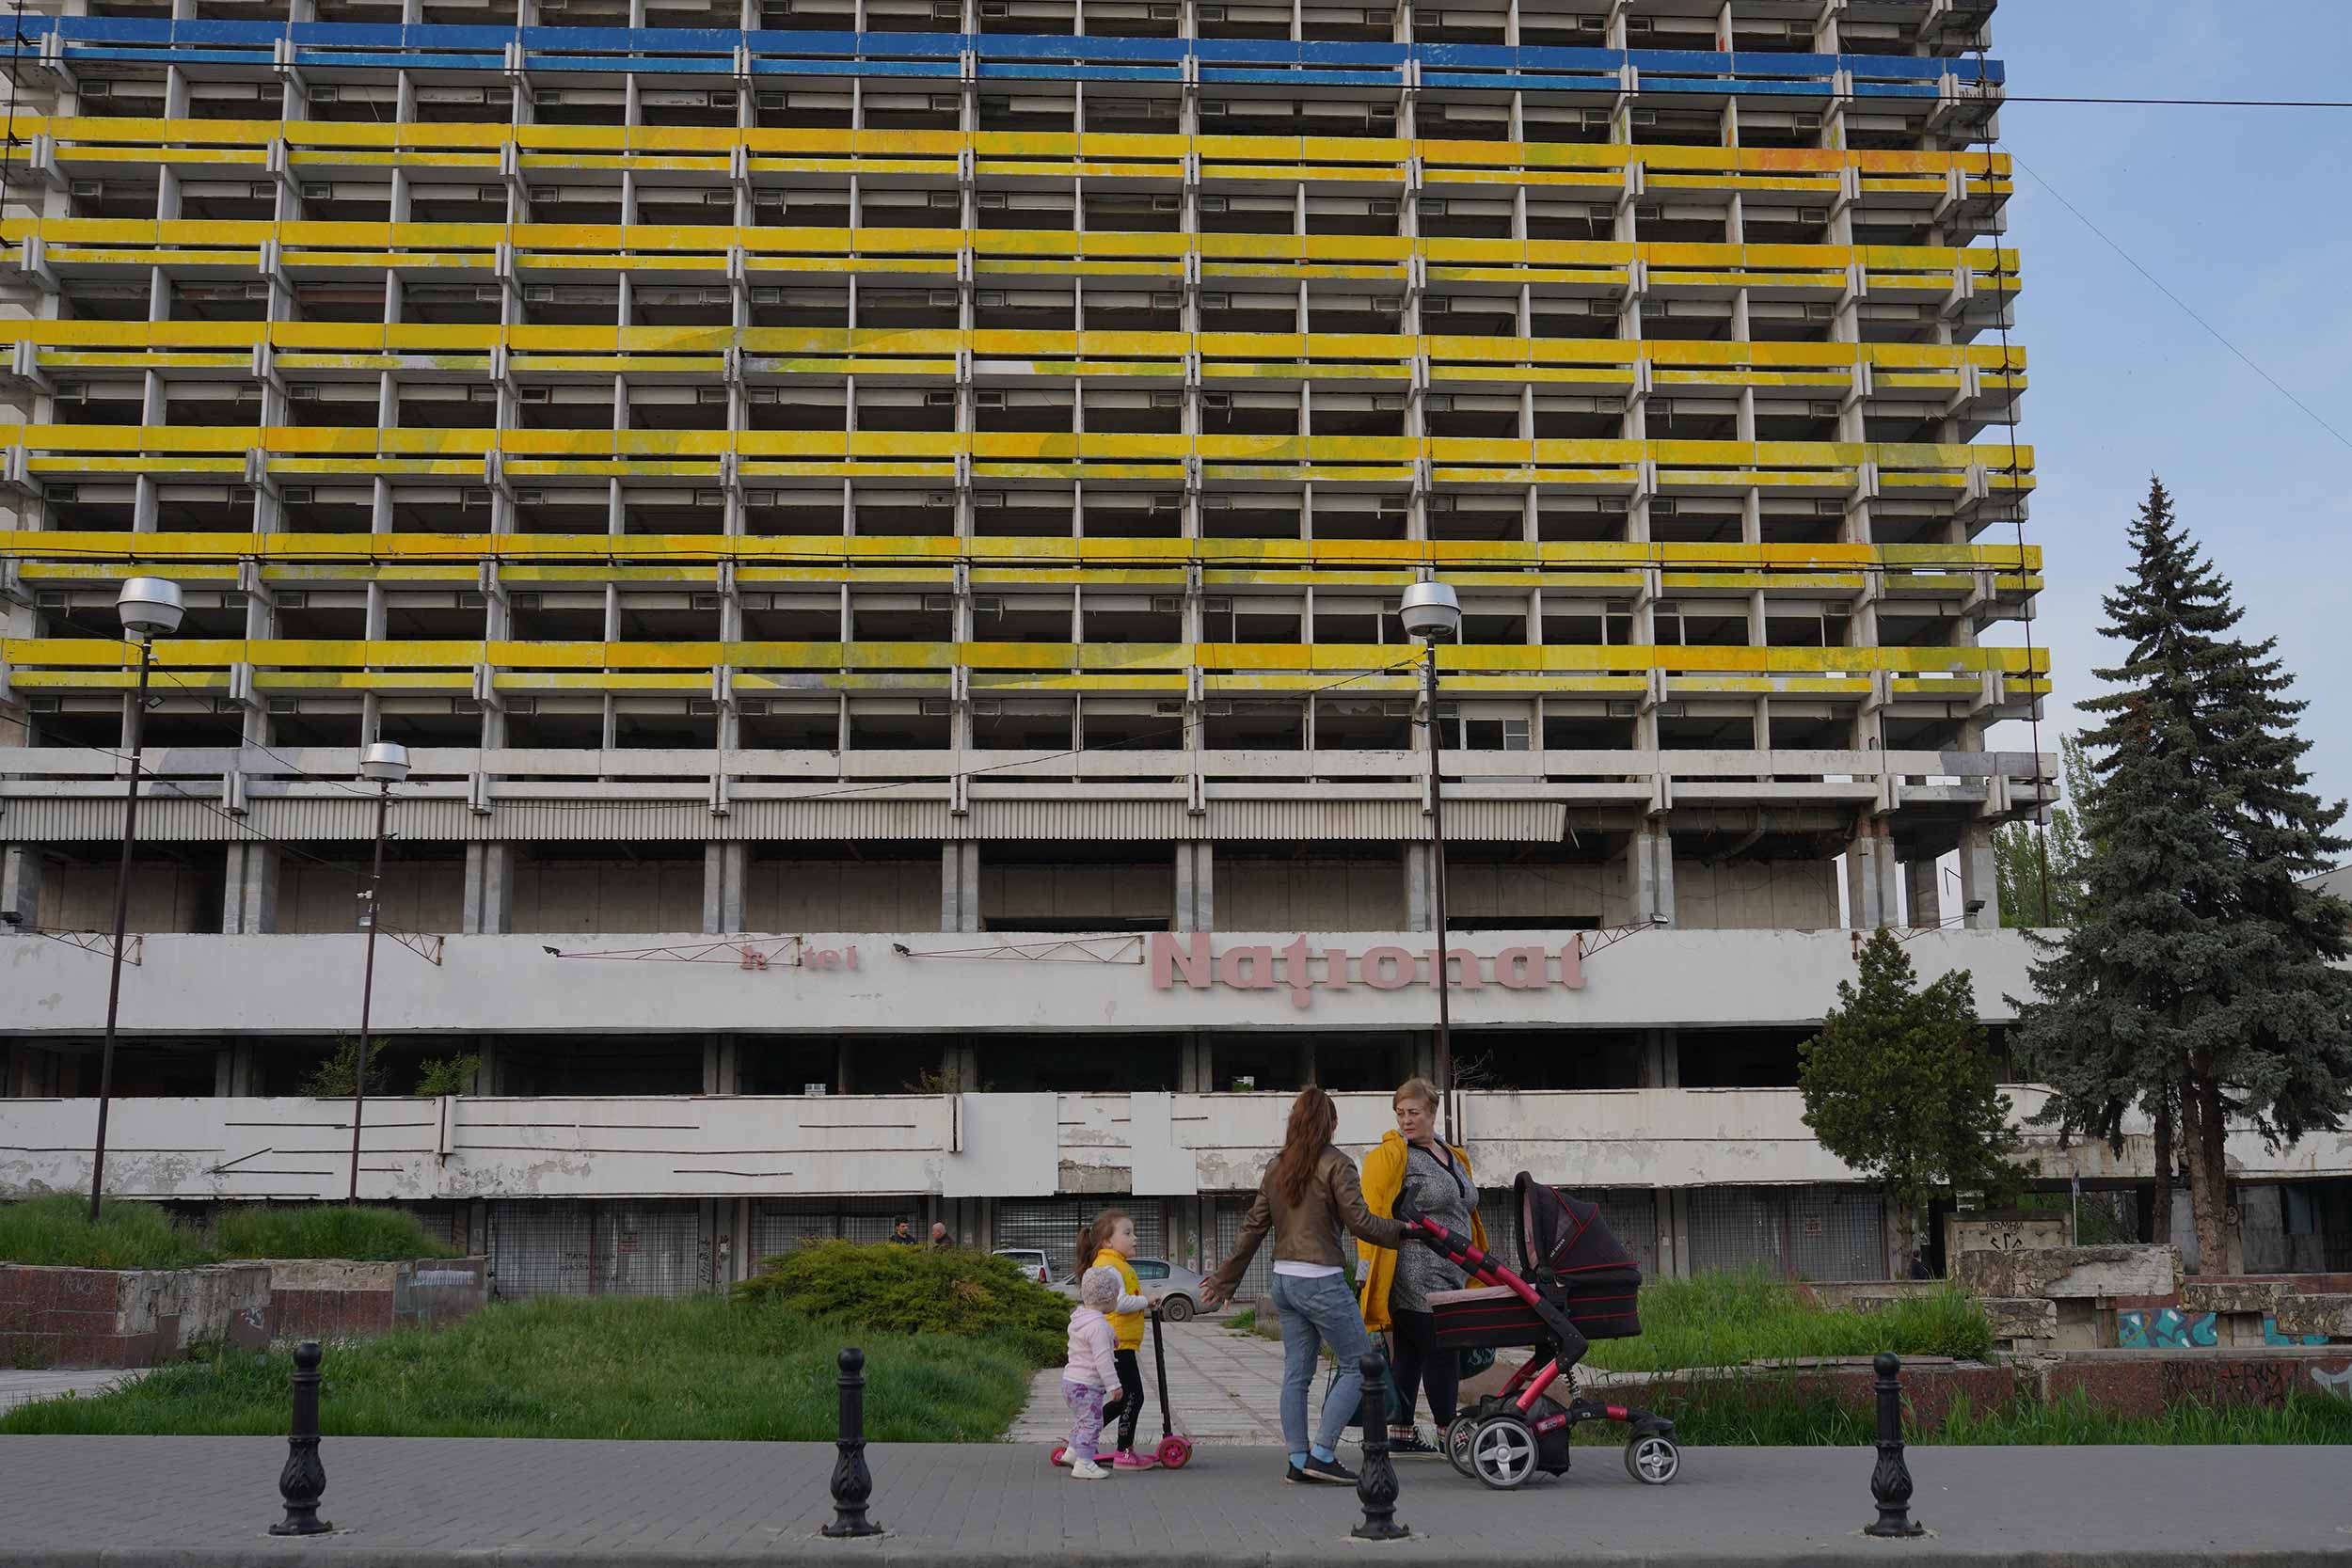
2169	1328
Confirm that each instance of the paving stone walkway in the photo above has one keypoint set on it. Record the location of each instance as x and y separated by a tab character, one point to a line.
205	1502
1226	1385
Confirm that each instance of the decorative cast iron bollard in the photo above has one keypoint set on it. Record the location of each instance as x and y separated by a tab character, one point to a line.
853	1484
1376	1485
303	1481
1890	1479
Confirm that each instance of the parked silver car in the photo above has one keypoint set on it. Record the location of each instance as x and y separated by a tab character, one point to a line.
1175	1288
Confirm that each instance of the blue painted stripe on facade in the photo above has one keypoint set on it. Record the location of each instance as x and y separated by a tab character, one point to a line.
706	51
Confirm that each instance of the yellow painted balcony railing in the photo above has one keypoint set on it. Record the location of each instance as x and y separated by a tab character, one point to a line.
89	146
72	246
52	452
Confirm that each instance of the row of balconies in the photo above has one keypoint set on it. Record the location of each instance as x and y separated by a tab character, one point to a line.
1460	114
1314	410
1733	612
1882	28
1800	739
1233	532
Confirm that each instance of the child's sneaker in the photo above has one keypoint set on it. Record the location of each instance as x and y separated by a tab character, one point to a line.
1132	1461
1086	1469
1061	1457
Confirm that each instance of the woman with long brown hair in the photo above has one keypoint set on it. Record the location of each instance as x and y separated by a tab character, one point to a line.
1307	1197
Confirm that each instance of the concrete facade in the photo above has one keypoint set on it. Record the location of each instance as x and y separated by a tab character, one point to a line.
854	554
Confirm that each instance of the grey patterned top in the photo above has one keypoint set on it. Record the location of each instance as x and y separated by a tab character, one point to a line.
1444	1193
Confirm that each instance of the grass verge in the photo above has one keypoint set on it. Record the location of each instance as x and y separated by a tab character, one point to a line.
1736	1415
56	1230
701	1366
1729	1318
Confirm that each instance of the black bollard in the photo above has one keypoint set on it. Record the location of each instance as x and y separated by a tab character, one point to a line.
1376	1484
303	1481
1890	1479
853	1484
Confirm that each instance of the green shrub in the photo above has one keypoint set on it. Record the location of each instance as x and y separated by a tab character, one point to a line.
56	1230
912	1290
320	1230
333	1078
442	1075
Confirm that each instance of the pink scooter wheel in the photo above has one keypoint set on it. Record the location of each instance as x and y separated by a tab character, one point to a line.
1055	1458
1175	1453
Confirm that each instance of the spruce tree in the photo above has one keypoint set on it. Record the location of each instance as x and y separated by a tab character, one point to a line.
2196	987
1897	1084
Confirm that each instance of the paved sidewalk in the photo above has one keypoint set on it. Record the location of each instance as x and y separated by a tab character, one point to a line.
205	1502
23	1388
1227	1388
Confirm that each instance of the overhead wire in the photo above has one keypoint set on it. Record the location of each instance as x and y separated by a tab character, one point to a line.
2016	504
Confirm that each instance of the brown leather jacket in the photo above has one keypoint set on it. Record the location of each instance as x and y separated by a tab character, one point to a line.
1310	1232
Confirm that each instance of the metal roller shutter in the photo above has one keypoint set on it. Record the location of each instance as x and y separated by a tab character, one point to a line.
649	1249
1257	1281
784	1225
1821	1233
568	1247
538	1248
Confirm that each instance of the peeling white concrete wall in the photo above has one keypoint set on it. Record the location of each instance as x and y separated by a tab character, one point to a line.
968	1145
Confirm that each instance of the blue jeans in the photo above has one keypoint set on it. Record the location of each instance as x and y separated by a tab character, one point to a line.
1316	1312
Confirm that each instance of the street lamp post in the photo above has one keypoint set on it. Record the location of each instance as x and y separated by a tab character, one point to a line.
1430	611
149	608
385	763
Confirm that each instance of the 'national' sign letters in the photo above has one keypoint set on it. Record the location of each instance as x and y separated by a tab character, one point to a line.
1265	967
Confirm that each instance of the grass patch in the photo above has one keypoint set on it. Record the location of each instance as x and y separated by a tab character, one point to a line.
914	1290
314	1230
56	1230
1732	1316
1742	1411
613	1366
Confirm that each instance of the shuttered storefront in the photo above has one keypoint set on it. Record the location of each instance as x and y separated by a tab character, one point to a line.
1824	1233
573	1248
784	1225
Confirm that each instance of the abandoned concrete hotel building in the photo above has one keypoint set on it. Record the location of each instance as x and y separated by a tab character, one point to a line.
879	523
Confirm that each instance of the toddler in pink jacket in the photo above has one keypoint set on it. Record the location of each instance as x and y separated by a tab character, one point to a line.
1092	1370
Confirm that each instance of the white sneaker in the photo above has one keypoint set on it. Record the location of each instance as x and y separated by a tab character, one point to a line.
1086	1469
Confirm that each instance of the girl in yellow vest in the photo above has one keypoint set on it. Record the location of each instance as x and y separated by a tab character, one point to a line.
1107	1242
1396	1285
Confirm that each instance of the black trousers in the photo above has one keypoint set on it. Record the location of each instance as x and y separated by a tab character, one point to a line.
1422	1367
1127	1409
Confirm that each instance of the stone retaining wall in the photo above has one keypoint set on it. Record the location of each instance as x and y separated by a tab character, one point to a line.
127	1317
328	1299
142	1317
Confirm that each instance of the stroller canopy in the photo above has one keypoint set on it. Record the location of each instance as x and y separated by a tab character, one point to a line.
1563	1237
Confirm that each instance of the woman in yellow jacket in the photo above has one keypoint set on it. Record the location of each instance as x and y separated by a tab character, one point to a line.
1396	1285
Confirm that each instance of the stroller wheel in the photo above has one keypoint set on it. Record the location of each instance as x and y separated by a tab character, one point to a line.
1174	1453
1653	1459
1458	1432
1502	1452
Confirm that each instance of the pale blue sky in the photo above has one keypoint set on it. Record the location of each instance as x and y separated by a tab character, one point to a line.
2242	213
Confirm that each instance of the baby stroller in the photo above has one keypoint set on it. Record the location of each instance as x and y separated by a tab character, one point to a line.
1584	1287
